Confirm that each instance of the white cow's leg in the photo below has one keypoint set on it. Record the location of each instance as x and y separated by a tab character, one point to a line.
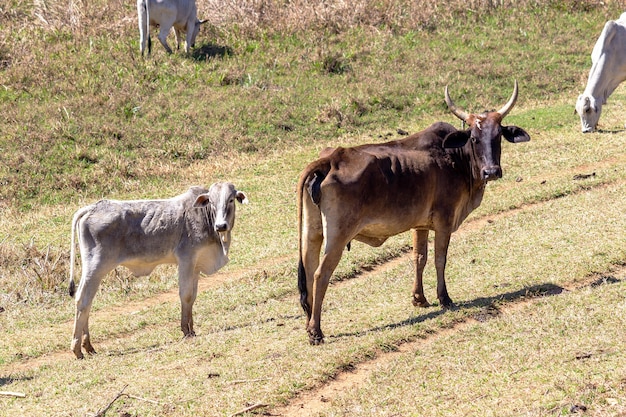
163	32
179	37
188	290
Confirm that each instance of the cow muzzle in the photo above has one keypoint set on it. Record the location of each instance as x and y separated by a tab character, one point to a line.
491	173
221	227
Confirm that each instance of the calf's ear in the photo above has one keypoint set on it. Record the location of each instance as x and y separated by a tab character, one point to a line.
241	197
202	200
456	139
515	134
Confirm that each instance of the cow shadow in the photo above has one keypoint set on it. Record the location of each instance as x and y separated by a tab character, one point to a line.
487	305
10	379
207	51
611	131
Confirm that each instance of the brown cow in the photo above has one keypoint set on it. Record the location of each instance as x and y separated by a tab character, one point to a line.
431	180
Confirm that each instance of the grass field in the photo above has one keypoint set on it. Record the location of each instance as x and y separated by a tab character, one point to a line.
538	271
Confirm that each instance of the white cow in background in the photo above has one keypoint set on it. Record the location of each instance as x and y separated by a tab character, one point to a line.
179	14
191	230
608	70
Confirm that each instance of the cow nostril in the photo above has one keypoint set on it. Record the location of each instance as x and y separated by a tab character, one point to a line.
221	227
492	173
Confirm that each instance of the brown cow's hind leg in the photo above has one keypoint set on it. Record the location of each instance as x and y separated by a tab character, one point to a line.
320	285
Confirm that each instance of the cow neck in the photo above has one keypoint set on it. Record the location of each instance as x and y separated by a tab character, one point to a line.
465	160
600	84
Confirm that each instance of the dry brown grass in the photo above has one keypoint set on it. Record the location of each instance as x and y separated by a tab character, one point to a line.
252	17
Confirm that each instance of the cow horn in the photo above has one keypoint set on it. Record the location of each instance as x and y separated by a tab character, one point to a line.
509	105
456	111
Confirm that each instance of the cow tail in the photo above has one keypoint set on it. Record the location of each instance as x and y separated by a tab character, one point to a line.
148	27
79	215
310	182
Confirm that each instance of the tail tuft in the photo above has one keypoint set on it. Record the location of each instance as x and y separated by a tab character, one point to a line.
302	287
72	288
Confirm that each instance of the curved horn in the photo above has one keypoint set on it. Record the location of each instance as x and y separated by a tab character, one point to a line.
456	111
509	105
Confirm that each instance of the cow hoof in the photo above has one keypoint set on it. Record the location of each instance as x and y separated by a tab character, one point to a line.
316	338
420	302
448	305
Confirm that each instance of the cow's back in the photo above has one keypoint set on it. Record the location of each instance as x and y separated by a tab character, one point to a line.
401	185
137	231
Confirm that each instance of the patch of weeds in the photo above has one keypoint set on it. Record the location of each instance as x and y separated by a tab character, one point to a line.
336	64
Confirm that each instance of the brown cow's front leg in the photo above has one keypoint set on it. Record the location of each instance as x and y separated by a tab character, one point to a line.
442	240
320	285
420	255
188	290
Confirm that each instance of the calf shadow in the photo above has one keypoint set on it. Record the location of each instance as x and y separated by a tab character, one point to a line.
10	379
207	51
611	131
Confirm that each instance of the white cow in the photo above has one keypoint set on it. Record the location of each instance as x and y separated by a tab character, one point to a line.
192	230
608	70
179	14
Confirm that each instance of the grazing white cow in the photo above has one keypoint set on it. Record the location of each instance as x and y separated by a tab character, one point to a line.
608	70
192	230
179	14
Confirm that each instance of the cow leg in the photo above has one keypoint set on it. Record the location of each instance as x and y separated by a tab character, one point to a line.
164	30
179	37
312	239
187	290
329	262
442	240
420	255
89	283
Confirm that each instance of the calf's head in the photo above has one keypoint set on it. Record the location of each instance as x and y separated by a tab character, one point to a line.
220	201
484	137
588	108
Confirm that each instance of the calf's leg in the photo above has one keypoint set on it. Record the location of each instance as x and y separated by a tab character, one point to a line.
187	290
89	283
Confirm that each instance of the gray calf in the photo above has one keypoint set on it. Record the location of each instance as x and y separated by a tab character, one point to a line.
191	230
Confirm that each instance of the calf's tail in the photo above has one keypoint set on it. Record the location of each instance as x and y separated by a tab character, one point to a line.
310	183
77	216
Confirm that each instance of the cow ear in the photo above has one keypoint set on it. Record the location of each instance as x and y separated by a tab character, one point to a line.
202	200
456	139
241	197
515	134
